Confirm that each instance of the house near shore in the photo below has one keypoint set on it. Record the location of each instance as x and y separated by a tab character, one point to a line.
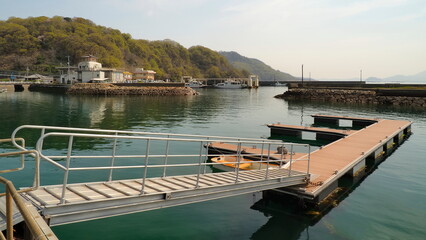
114	75
144	75
89	70
128	76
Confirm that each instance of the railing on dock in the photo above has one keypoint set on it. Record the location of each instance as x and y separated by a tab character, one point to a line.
143	155
38	230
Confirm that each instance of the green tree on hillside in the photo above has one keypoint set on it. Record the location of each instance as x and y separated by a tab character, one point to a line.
41	43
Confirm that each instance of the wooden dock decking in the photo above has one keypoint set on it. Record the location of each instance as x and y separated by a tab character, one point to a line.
337	158
347	155
342	132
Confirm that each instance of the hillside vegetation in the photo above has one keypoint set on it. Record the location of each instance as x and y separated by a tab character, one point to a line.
42	43
256	66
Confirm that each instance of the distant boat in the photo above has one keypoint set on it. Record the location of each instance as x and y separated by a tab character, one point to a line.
195	84
279	84
231	84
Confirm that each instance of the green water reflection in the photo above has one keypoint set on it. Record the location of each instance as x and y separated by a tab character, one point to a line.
388	204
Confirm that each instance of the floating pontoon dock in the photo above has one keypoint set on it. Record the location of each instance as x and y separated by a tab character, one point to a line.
346	156
360	122
321	133
350	154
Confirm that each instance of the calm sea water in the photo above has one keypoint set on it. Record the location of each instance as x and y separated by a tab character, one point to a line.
388	204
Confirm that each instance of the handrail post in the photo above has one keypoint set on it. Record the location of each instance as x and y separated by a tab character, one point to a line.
267	161
261	155
70	142
282	156
166	157
43	132
206	158
199	165
114	149
37	170
146	166
237	169
23	155
9	213
309	158
291	160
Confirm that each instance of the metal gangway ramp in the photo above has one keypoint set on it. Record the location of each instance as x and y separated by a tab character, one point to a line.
104	173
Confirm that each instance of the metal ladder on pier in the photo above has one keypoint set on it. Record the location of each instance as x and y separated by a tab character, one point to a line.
105	173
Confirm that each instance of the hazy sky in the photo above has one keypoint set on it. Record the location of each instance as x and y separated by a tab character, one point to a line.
332	38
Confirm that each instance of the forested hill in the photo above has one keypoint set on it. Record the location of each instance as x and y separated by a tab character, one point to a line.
42	43
256	66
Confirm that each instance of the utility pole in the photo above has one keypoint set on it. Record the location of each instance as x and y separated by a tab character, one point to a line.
302	74
360	75
27	73
68	72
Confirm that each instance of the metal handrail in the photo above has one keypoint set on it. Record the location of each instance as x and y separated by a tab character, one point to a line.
117	132
148	158
39	147
22	156
13	195
36	156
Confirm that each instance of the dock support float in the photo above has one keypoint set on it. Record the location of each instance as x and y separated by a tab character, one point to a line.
325	120
286	132
328	136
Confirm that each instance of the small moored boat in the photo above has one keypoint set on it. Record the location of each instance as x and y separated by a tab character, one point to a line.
231	84
195	84
278	84
229	163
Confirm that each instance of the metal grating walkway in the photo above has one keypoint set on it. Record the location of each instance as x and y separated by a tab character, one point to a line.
158	157
86	201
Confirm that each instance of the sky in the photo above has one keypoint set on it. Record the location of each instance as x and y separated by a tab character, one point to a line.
333	39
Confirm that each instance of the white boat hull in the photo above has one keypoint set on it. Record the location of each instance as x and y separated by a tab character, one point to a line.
230	85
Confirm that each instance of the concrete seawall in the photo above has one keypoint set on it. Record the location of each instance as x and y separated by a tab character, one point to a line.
367	96
112	89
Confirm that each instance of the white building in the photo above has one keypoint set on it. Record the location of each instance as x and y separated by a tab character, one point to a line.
89	70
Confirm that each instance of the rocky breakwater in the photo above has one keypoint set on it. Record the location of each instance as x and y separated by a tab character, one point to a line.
111	89
363	96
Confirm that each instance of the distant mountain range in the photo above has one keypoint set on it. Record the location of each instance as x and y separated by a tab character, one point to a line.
256	66
417	78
